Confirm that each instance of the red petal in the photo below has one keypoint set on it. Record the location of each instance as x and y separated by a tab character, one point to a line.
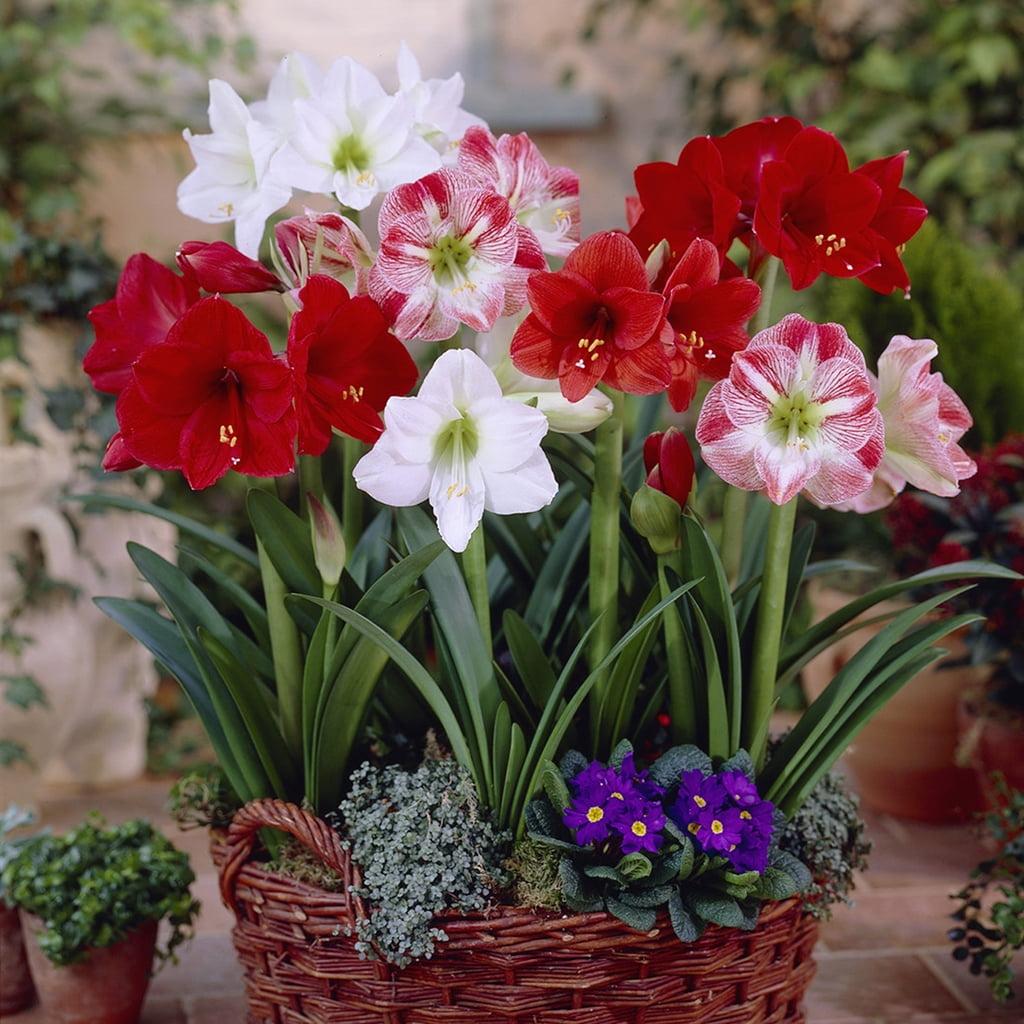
220	267
562	302
534	351
641	371
652	450
636	316
699	267
608	259
117	458
147	432
109	360
212	440
579	371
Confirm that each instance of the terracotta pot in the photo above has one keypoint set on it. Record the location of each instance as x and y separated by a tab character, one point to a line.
991	740
108	987
16	989
904	760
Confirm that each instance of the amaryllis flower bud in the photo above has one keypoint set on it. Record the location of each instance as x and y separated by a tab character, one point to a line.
328	540
220	267
656	518
669	464
324	243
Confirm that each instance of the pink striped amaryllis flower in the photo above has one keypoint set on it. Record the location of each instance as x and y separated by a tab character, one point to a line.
451	252
545	199
796	413
924	419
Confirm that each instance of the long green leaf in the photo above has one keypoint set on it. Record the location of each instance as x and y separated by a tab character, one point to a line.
286	539
277	761
552	582
313	685
349	698
416	674
183	523
930	577
532	664
720	739
513	771
255	614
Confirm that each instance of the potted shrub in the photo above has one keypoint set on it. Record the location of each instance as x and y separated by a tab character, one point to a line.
984	521
16	990
598	830
90	903
989	928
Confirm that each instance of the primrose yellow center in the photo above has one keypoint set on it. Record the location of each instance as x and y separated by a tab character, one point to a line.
638	828
717	827
618	796
700	801
745	815
595	814
693	828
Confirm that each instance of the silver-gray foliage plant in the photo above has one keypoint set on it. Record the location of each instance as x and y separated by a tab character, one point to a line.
424	845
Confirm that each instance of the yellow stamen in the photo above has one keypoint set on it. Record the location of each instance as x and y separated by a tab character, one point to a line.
594	815
638	828
227	435
457	490
692	340
700	801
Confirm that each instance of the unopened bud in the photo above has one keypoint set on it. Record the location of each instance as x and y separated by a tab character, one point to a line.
328	541
656	517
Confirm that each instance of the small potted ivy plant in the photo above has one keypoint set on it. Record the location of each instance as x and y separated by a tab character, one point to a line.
90	904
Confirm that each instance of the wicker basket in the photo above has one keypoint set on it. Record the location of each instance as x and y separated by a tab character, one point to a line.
507	966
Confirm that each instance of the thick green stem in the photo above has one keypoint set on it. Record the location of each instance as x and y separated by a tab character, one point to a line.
351	498
311	480
771	610
604	547
734	514
286	651
474	569
682	700
764	311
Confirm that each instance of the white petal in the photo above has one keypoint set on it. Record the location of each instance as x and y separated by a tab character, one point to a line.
390	480
228	113
459	377
527	488
252	217
408	67
415	160
297	171
507	433
412	426
457	498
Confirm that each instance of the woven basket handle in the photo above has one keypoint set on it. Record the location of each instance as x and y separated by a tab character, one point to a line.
315	834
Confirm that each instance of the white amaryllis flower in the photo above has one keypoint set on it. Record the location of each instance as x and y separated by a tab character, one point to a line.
353	139
564	417
232	179
439	116
924	419
464	446
298	77
545	199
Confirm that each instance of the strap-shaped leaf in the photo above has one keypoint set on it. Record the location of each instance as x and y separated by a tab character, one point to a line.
553	580
719	724
513	770
532	664
281	769
286	539
255	614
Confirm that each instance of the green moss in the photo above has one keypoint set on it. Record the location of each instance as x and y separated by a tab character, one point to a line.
535	878
202	798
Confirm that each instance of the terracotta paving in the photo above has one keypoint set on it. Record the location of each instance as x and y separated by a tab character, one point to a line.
882	961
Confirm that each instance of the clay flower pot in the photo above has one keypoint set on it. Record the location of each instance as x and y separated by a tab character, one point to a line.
108	987
991	740
16	989
904	761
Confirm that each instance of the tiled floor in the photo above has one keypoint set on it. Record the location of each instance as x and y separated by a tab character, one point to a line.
882	961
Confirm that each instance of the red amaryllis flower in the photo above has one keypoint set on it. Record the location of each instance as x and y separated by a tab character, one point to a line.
706	320
593	320
745	151
149	299
346	363
669	464
219	267
212	397
814	214
899	216
685	200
